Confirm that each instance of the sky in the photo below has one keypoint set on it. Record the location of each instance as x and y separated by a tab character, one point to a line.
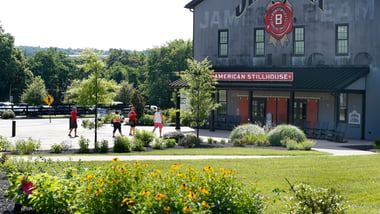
101	24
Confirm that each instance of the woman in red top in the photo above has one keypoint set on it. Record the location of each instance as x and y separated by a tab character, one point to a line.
73	122
132	121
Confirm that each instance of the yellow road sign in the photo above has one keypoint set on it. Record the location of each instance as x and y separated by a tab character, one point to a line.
49	99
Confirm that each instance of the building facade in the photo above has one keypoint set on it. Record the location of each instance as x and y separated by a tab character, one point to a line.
292	61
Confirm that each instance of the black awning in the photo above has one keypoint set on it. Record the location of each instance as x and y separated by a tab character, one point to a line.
317	78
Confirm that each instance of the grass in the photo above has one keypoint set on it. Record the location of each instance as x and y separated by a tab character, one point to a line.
356	178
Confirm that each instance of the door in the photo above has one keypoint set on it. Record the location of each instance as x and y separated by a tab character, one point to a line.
312	111
243	110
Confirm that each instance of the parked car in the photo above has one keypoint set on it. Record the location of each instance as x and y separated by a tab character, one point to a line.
102	112
151	107
5	106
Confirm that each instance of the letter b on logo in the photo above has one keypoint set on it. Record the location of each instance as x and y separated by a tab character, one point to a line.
278	18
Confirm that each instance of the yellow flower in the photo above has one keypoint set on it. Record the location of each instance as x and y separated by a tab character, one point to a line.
136	163
175	166
134	176
127	201
203	190
171	171
187	209
208	168
205	205
115	167
158	171
180	175
98	191
152	174
115	160
104	179
221	169
116	181
160	196
230	172
146	165
101	183
123	169
183	186
139	167
166	209
192	195
189	169
146	193
88	189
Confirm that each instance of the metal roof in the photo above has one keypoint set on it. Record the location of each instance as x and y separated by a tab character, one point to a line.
192	4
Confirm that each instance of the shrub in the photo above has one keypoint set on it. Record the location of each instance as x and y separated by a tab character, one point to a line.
146	137
246	129
210	140
170	143
238	142
7	114
145	120
104	146
137	145
122	144
158	143
108	117
309	199
307	144
66	145
84	145
293	145
90	124
223	142
56	148
27	147
178	136
377	143
190	140
280	132
4	144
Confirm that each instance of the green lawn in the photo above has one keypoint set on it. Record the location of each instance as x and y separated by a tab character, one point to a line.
357	178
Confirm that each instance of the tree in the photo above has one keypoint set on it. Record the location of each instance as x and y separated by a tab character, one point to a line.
56	69
200	91
35	93
93	90
14	74
125	92
163	66
138	102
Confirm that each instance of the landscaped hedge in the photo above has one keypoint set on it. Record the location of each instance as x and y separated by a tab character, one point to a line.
276	135
247	129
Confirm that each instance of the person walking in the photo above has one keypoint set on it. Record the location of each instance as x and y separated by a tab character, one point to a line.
73	122
116	121
158	121
132	121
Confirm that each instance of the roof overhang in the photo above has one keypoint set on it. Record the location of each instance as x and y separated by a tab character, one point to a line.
193	4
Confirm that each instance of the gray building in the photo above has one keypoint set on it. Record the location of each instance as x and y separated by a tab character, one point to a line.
292	61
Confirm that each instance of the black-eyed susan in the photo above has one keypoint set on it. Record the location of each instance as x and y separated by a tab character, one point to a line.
115	160
205	205
152	174
88	189
146	165
145	193
160	196
183	186
171	171
136	164
192	195
175	166
208	169
158	171
98	191
127	201
202	190
167	209
116	181
190	169
187	209
123	169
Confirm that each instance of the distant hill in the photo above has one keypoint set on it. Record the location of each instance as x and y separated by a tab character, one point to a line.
31	51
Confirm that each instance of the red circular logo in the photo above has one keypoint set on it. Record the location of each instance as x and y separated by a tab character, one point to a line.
278	19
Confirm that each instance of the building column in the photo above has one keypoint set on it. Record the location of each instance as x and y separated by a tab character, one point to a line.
250	98
291	108
337	108
178	111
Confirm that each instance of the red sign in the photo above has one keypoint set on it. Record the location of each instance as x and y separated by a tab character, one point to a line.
262	76
278	19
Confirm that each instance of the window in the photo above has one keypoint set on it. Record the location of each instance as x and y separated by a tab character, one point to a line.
222	100
223	43
342	40
299	41
299	110
343	107
259	42
258	110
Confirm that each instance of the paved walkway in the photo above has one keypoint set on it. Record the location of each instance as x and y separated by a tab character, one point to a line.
56	131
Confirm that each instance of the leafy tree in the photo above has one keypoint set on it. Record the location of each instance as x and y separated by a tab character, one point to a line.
125	92
138	102
163	66
35	93
14	74
201	88
56	69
